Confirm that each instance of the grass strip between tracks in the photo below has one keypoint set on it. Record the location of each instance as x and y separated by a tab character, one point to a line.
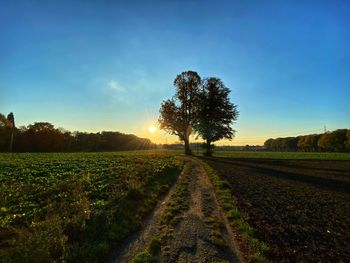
257	250
177	204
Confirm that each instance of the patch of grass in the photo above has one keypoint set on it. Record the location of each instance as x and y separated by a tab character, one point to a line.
179	200
143	257
217	239
207	209
177	204
284	155
150	254
213	221
154	246
257	249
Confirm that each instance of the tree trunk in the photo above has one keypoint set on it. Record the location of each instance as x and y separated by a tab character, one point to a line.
11	140
208	148
187	146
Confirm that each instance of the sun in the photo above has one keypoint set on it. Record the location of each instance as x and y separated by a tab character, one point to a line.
152	129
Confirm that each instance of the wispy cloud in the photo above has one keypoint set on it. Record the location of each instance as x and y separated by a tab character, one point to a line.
117	90
115	86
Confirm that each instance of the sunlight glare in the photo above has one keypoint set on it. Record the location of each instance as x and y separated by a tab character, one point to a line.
152	129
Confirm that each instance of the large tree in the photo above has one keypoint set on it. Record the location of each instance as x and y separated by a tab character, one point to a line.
11	121
7	129
178	115
333	141
216	113
3	132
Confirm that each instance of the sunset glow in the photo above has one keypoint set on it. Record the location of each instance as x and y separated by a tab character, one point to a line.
88	61
152	129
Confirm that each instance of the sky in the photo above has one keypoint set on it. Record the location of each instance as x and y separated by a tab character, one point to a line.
108	65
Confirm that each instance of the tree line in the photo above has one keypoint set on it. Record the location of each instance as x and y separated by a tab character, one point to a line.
44	137
201	107
335	141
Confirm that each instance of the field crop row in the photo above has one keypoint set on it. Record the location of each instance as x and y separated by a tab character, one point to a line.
76	207
300	209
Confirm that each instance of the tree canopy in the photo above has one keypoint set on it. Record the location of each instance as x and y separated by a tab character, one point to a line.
215	112
44	137
335	141
198	106
178	115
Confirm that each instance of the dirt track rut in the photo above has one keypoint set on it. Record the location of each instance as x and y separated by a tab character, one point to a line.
202	234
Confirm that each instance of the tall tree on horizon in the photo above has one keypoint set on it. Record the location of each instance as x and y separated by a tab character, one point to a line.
11	120
178	115
216	113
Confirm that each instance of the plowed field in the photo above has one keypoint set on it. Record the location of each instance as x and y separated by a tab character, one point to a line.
300	208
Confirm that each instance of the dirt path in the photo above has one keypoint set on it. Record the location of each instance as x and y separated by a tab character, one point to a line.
138	241
201	235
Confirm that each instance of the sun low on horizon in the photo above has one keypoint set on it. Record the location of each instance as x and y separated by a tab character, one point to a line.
152	128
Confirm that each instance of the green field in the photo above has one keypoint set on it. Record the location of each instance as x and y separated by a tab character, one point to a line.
77	206
284	155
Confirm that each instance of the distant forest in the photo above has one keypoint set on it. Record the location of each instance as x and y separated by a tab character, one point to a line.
44	137
336	141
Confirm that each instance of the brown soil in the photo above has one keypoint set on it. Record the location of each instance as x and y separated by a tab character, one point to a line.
191	239
300	208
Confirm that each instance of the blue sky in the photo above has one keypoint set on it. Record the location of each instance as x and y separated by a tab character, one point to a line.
107	65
